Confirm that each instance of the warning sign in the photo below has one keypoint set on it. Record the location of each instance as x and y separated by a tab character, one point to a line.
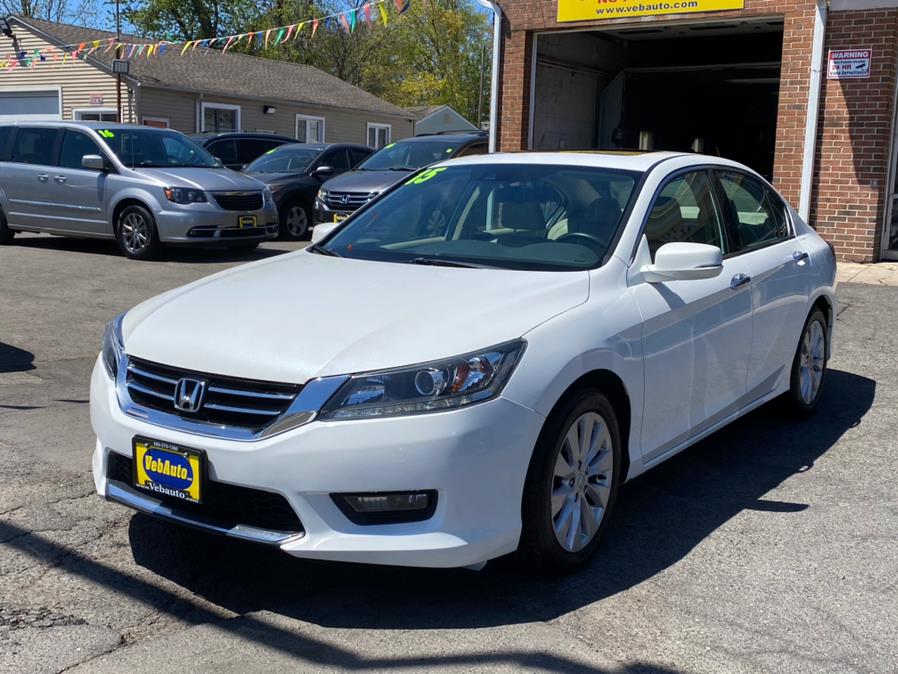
847	64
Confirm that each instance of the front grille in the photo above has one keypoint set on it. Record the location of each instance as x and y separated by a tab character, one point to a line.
242	201
347	201
225	504
228	401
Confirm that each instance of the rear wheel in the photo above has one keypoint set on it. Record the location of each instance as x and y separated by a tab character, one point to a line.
295	221
136	233
809	364
6	234
571	483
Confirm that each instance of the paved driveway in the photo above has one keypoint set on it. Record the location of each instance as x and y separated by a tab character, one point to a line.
770	546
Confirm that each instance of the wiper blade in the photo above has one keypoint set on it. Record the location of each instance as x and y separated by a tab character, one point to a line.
401	168
323	251
439	262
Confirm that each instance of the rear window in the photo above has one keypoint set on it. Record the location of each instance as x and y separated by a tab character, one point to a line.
34	145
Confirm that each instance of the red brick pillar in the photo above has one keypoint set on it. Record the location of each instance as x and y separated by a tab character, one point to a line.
514	92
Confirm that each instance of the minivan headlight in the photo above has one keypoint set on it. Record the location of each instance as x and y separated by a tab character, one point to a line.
184	195
113	346
430	387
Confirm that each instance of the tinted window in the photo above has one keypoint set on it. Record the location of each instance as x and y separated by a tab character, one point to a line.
249	149
149	148
34	145
5	137
225	150
755	213
293	159
357	155
510	216
74	146
684	211
409	155
477	148
336	159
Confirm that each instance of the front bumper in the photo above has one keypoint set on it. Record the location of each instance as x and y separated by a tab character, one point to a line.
323	213
476	458
205	223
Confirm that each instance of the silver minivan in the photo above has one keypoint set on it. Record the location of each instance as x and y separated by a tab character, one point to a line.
143	186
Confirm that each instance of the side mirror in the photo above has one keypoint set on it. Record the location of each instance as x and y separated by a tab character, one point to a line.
93	162
681	261
321	230
323	172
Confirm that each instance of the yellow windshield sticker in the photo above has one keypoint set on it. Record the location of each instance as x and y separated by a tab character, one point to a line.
271	150
106	133
427	175
448	150
387	147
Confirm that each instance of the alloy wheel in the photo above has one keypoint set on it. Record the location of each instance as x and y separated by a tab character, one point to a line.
135	233
297	221
811	361
581	483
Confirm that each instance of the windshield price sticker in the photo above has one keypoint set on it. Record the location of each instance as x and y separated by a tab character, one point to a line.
106	133
427	175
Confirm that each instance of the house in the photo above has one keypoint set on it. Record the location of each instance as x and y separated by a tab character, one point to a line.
200	91
438	119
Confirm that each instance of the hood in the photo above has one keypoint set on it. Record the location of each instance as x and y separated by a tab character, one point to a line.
300	316
365	181
209	179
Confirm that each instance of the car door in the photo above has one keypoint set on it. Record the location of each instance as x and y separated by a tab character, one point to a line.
696	334
26	179
79	193
780	270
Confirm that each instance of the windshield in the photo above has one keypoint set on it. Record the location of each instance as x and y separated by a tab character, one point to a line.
496	215
145	148
283	159
408	156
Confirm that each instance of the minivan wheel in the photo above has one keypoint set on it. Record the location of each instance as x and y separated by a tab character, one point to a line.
6	234
136	233
571	483
294	221
809	364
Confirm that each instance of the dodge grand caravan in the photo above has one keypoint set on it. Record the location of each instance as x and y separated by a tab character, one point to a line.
144	187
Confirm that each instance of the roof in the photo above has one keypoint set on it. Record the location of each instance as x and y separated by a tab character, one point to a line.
453	138
419	112
226	74
241	134
613	160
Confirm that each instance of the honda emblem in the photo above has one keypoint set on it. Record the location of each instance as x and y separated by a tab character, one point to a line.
189	394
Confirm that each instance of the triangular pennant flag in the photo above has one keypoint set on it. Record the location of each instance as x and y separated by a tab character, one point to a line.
402	5
352	20
249	39
160	50
314	27
280	35
267	35
299	27
368	15
345	23
109	44
289	31
230	42
383	13
187	46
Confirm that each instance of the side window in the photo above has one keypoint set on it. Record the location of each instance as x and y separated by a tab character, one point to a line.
74	146
224	150
357	156
684	211
336	159
5	137
755	214
34	145
249	149
477	148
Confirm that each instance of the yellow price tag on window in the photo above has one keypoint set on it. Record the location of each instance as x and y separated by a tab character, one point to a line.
427	175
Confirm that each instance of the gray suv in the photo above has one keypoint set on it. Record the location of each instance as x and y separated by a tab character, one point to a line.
143	186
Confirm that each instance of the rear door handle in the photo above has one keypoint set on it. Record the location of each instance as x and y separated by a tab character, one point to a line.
739	280
43	177
799	256
59	179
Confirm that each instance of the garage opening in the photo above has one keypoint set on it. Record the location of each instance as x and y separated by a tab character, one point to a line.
704	87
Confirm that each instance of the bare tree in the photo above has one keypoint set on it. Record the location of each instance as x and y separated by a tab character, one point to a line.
82	12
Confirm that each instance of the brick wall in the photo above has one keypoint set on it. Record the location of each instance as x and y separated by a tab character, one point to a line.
853	142
856	116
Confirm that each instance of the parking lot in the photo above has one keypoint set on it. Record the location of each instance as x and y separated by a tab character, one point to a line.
770	546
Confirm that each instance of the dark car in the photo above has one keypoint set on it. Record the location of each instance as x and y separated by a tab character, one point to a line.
236	149
339	197
294	173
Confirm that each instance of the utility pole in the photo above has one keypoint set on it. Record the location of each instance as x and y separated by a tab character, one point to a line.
118	55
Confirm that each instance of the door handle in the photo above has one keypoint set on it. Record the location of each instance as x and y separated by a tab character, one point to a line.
739	280
799	256
43	177
59	179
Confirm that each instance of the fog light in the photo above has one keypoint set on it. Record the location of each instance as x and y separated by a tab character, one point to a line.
387	507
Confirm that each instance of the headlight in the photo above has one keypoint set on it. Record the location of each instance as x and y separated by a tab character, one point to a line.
184	195
268	193
322	196
113	346
431	387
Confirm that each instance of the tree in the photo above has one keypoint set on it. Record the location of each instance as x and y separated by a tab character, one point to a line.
192	19
51	10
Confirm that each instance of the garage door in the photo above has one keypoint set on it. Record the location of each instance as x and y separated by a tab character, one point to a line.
29	105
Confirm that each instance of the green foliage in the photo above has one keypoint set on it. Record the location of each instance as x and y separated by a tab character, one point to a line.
433	54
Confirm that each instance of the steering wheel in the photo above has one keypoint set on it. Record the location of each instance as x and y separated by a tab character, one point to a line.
582	238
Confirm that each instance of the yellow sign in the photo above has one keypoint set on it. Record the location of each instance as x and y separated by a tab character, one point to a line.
590	10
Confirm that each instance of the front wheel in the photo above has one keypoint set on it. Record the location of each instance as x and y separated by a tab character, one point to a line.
809	364
571	483
295	222
136	233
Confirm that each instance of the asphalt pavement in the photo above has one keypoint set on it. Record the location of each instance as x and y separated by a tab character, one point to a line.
771	546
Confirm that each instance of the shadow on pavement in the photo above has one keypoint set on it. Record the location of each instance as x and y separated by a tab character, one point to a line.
14	359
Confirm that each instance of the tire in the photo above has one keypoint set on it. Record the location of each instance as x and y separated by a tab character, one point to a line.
135	232
295	221
809	365
6	234
547	544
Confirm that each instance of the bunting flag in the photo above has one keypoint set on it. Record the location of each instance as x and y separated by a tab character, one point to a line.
350	20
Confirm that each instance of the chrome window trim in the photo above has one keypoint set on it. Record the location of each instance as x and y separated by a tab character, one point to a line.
304	409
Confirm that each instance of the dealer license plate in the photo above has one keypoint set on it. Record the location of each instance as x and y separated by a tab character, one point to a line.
247	221
163	468
339	217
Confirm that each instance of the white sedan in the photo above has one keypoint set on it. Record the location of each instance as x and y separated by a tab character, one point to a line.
472	364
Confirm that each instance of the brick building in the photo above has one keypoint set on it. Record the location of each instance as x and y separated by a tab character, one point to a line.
743	83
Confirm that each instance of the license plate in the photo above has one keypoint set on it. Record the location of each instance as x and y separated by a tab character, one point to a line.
339	217
247	221
163	468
